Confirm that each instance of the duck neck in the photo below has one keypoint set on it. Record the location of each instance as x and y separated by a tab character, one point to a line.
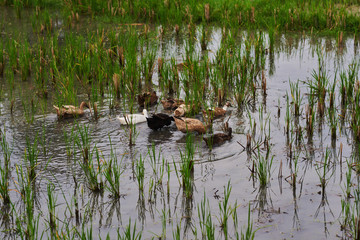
82	105
145	113
225	107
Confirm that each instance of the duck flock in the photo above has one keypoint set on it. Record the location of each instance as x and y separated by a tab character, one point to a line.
157	121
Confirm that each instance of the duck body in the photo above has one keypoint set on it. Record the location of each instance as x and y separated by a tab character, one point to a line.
159	120
189	125
147	99
172	103
218	138
133	118
216	112
182	110
70	111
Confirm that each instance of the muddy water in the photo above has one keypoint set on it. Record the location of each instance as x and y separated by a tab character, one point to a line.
279	211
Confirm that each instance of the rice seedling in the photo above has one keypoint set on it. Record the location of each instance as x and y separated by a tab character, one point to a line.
249	233
263	166
2	58
112	173
18	4
31	156
207	227
26	184
296	97
93	171
82	141
30	108
157	164
25	56
225	210
5	168
177	233
140	173
130	233
187	165
319	83
12	52
323	169
51	208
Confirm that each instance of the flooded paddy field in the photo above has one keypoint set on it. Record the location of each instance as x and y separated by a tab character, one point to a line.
290	169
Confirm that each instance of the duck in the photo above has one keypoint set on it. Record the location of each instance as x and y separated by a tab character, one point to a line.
133	118
159	120
216	112
218	138
172	103
189	125
70	111
147	99
182	110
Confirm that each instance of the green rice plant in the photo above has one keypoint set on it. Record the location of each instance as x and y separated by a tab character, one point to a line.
347	82
296	97
263	166
225	210
42	21
319	83
333	122
140	173
12	51
31	156
51	203
310	115
207	227
19	5
163	223
157	164
112	173
130	233
82	140
69	142
324	168
2	58
30	108
234	216
287	117
93	171
31	230
25	56
187	165
147	66
5	168
177	233
249	233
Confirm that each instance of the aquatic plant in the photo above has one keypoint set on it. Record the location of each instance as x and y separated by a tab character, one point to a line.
112	173
5	168
207	227
130	233
187	165
225	210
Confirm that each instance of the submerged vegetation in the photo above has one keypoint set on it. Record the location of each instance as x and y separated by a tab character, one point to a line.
291	141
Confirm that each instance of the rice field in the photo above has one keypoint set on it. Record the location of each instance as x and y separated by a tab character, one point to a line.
289	170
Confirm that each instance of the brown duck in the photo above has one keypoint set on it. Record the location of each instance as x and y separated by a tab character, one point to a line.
189	125
69	111
218	138
147	99
172	103
216	112
182	110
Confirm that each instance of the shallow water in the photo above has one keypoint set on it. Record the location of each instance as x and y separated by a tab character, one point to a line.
279	211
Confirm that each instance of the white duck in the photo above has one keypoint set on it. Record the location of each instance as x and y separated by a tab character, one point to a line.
133	118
